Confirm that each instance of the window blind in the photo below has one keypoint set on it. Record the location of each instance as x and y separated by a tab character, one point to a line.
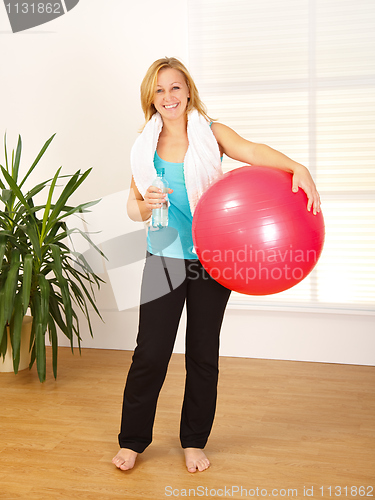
299	75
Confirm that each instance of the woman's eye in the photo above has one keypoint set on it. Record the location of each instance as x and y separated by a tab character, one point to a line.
176	88
159	91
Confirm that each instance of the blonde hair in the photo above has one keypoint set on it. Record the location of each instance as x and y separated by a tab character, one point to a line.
148	87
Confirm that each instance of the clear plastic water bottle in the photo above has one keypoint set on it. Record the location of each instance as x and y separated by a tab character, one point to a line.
160	215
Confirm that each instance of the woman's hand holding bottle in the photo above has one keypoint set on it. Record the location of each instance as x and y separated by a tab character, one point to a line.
154	197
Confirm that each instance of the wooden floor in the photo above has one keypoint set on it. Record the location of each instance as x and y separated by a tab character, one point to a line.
281	429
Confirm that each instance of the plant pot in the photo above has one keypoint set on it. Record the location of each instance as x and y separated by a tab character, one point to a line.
6	365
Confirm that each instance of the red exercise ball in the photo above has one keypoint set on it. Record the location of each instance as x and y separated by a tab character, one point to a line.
253	234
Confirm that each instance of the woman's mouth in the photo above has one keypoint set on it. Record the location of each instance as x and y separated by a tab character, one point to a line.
171	106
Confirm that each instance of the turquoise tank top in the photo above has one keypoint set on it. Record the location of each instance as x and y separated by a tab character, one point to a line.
176	240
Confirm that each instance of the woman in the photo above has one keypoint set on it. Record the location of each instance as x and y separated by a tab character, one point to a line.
180	137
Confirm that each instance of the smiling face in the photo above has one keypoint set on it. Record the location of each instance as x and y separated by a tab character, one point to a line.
171	94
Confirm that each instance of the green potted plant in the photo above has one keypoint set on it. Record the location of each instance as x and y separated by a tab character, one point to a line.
39	271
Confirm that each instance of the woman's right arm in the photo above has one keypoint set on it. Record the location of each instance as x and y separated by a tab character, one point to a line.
140	209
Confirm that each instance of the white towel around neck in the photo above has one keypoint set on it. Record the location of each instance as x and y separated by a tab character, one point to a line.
202	163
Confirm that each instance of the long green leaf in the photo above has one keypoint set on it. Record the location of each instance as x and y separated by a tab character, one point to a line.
56	254
6	152
64	196
27	277
3	244
69	189
85	274
11	284
56	315
40	344
31	231
16	165
54	343
87	315
48	206
3	320
51	227
16	190
41	153
35	190
16	331
52	238
89	296
75	328
4	221
44	298
32	349
4	342
82	262
79	209
63	283
82	304
87	238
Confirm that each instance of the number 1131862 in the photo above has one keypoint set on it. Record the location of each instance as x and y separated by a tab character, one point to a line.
34	8
347	491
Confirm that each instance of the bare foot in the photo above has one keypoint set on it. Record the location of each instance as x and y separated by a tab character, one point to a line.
196	459
125	459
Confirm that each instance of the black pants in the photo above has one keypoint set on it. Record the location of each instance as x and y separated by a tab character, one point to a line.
167	283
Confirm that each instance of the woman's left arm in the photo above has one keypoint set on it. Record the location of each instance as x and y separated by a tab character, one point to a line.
240	149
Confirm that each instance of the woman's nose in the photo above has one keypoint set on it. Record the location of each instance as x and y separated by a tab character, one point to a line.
167	95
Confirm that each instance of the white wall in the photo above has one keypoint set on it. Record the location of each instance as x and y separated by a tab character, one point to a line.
79	76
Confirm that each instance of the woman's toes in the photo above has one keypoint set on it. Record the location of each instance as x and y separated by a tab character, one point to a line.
125	459
203	465
196	459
